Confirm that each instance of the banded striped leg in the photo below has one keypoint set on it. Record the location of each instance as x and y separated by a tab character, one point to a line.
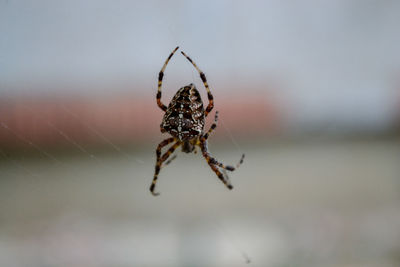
161	159
212	127
229	167
213	163
158	164
205	137
204	79
160	77
219	164
171	159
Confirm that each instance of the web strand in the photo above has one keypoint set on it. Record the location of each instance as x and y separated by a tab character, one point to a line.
30	143
233	140
71	141
101	136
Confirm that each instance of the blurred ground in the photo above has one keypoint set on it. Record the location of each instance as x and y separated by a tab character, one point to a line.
303	203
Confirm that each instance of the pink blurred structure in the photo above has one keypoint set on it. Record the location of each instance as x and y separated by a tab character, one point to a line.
56	121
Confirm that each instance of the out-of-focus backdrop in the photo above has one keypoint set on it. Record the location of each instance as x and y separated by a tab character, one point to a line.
309	90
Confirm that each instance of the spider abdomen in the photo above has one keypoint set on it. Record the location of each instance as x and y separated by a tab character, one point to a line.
184	118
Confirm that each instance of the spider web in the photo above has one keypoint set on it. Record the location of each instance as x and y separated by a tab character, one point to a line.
75	144
22	166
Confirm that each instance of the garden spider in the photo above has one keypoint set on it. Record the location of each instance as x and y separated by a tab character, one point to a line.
184	119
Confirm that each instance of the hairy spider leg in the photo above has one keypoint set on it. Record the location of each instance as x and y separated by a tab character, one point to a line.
212	127
213	163
160	77
204	79
171	159
158	154
161	159
229	167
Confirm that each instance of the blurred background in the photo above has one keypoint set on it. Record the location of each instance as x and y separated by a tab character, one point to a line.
309	90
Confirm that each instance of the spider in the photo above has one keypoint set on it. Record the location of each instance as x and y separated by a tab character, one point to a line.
184	120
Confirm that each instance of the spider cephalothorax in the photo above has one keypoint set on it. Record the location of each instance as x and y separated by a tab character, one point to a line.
184	119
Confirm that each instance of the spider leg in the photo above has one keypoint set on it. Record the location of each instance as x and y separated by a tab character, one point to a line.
161	159
212	127
204	79
158	150
171	159
227	167
213	163
160	77
225	173
219	164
